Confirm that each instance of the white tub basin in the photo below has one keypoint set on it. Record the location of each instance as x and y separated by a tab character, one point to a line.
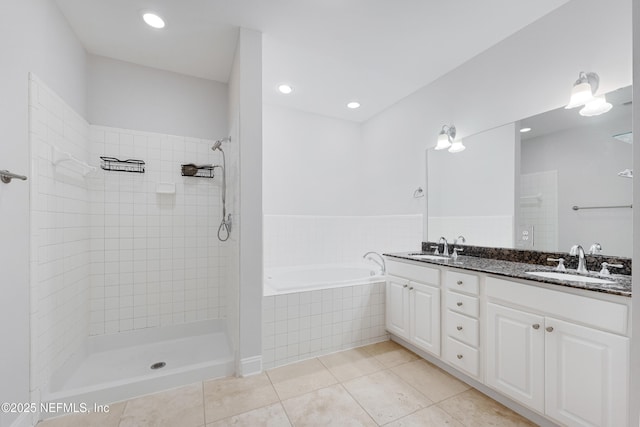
568	277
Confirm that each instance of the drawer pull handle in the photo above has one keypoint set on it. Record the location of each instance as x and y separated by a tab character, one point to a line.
411	288
459	282
549	328
459	304
459	356
535	326
404	286
459	328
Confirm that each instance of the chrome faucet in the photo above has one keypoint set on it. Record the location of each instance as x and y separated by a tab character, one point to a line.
582	264
381	263
445	250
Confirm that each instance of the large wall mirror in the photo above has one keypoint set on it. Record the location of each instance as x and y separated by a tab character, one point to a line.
564	182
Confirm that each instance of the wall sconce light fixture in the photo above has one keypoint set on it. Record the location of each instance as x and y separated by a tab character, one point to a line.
446	139
583	93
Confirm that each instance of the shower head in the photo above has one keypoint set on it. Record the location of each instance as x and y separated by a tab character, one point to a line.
218	143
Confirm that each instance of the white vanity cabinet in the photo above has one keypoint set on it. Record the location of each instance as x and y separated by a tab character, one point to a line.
563	355
562	352
413	304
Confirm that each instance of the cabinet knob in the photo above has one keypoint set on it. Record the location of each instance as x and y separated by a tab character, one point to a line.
411	288
459	328
459	304
459	356
459	282
549	328
535	326
404	286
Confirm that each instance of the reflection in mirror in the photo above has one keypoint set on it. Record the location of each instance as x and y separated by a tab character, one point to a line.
500	196
568	161
472	192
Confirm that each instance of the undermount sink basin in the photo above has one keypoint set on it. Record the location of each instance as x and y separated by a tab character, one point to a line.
568	277
430	257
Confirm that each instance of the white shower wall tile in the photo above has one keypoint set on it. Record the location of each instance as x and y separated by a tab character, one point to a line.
60	233
308	324
155	258
291	240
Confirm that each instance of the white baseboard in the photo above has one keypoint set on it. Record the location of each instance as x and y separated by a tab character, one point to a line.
250	366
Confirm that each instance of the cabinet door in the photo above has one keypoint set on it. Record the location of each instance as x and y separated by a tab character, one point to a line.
397	307
424	309
515	354
586	375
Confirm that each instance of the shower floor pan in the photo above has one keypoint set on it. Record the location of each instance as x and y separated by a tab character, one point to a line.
118	367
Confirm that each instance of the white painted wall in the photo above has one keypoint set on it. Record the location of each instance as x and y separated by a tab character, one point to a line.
249	106
125	95
232	246
588	160
502	85
313	165
33	37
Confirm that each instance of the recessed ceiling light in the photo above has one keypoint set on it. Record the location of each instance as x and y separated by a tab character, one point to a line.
525	130
353	105
286	89
153	20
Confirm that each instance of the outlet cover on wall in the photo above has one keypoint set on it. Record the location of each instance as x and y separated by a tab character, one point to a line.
525	236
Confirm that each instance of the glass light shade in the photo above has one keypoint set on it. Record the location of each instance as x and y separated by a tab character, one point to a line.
595	107
153	20
457	147
580	95
285	89
443	141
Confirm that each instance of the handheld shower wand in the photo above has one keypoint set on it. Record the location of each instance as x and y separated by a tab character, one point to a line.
224	230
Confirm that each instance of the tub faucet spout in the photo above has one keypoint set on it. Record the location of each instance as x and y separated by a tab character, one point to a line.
381	263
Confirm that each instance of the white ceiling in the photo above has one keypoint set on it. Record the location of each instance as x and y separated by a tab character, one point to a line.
330	51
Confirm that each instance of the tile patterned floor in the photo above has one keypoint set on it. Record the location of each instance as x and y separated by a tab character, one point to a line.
380	384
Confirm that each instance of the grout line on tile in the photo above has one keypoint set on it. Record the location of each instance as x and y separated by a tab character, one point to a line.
358	402
286	413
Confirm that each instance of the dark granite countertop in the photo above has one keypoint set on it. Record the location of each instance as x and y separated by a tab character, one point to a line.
622	285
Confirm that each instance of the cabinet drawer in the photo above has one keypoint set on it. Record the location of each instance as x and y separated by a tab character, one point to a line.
461	282
463	328
462	356
464	304
417	273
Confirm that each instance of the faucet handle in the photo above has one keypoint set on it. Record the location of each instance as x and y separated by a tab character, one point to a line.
605	270
435	249
454	255
560	262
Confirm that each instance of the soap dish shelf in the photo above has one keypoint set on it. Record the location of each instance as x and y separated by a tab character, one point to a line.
117	165
205	171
